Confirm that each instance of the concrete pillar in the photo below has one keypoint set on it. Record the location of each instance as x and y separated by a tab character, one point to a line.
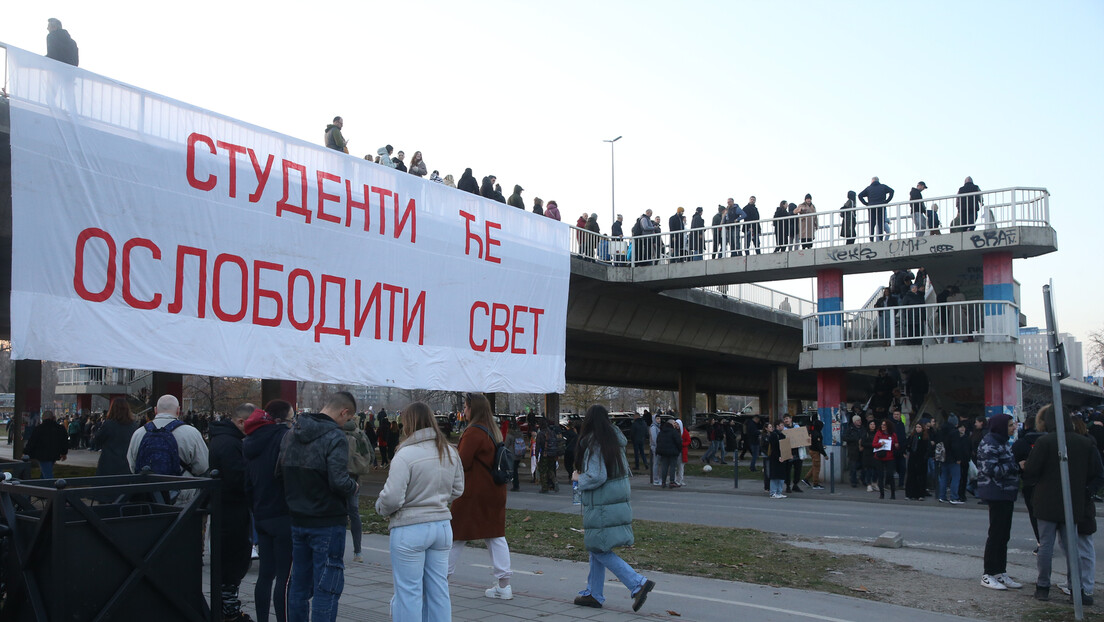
552	406
711	402
996	272
28	398
688	389
84	404
779	394
830	298
763	407
165	383
492	398
831	391
1000	389
287	390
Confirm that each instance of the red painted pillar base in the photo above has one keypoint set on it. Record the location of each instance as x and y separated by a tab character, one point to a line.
84	404
1000	389
831	391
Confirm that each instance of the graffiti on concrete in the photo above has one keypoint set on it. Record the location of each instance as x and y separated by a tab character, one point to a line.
989	239
907	245
852	254
941	248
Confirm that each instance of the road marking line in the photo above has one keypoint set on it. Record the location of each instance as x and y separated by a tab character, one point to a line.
744	604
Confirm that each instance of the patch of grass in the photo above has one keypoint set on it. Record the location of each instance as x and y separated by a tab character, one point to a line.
62	470
721	471
714	552
1060	611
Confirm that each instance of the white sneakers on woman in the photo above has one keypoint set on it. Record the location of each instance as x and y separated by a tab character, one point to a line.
505	593
1000	582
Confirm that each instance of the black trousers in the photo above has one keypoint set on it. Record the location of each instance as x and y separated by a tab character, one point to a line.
996	545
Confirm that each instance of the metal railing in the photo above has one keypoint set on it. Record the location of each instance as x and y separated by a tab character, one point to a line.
764	297
987	210
977	320
74	376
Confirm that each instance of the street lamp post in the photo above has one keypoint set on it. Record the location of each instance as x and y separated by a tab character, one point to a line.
613	179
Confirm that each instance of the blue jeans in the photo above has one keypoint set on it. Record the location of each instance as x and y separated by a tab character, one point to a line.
47	467
596	580
1086	553
317	573
776	486
714	447
419	568
949	473
754	455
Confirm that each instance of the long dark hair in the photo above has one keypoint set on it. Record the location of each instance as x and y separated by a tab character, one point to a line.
598	434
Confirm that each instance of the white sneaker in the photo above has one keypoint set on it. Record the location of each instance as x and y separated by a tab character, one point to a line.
869	488
1007	581
505	593
1065	588
992	583
255	554
358	558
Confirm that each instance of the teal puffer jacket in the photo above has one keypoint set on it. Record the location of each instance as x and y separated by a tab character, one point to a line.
607	513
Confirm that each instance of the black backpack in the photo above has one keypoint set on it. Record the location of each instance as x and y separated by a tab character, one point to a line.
553	444
502	467
637	229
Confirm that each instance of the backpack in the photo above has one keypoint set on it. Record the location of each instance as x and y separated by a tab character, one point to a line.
360	458
519	448
553	444
940	452
637	229
158	450
502	466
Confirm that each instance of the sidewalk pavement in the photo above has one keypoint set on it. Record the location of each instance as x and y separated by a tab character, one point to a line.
544	588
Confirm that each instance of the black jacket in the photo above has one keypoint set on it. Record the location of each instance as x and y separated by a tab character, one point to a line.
315	466
49	441
61	47
668	443
225	446
751	212
467	183
261	449
917	200
486	189
639	430
697	222
876	194
399	166
113	441
674	223
615	231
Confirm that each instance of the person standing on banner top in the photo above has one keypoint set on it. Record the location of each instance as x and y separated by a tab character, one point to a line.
480	513
59	45
334	139
315	465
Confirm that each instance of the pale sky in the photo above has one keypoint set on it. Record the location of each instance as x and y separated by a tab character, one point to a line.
714	99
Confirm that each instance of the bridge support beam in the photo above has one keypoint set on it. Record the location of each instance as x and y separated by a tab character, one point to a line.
779	394
552	406
28	399
165	383
830	298
688	389
831	393
711	402
1000	389
287	390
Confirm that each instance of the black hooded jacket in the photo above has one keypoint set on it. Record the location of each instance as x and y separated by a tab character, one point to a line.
487	188
261	449
226	455
467	182
61	47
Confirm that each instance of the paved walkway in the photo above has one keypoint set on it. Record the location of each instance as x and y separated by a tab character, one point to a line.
544	589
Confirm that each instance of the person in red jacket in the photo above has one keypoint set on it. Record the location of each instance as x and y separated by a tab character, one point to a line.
885	447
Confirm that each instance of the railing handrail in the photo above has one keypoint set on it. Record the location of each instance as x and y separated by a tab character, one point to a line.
899	306
831	228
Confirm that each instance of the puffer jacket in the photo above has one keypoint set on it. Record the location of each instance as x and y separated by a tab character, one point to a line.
607	513
998	472
419	484
315	466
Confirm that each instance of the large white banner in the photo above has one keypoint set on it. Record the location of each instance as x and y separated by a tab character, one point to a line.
151	234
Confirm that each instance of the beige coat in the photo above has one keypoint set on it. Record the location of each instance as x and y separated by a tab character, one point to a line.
420	485
807	226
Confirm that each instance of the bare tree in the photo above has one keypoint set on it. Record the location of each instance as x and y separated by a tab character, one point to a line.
1096	351
6	366
219	394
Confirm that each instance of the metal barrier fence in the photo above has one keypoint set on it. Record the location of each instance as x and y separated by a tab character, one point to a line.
764	297
991	209
984	320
